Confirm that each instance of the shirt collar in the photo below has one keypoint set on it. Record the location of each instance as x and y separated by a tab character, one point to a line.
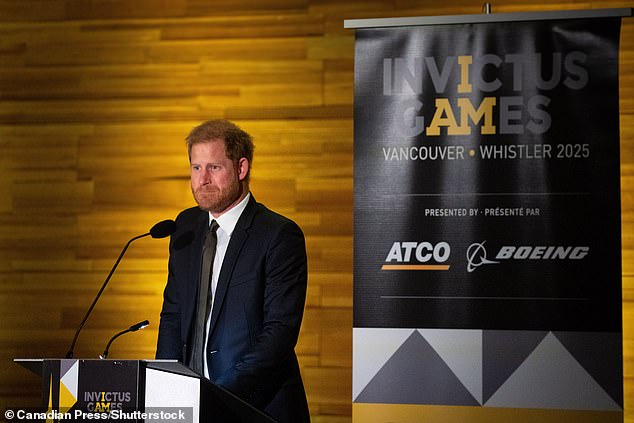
228	220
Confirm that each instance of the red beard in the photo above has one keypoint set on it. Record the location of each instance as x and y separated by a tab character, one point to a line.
216	200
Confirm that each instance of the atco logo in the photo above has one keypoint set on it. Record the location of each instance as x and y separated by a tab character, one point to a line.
477	254
418	256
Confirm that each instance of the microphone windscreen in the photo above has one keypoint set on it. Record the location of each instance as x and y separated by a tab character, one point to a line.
139	325
163	229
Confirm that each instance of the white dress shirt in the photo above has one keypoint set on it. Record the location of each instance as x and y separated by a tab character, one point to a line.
226	224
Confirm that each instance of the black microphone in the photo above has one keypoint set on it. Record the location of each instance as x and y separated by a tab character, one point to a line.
163	229
160	230
132	328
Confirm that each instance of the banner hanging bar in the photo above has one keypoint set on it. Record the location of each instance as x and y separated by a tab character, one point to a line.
487	18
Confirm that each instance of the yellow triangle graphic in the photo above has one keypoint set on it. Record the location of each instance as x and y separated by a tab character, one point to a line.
50	401
66	398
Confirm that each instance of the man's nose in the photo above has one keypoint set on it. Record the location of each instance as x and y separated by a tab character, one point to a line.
205	177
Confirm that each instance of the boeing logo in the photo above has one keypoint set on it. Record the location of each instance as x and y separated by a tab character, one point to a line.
477	254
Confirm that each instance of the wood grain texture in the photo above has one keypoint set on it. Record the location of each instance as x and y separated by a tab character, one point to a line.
96	97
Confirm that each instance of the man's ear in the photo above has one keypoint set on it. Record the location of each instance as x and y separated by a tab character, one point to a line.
243	168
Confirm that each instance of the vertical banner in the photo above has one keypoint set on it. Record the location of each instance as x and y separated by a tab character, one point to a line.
487	262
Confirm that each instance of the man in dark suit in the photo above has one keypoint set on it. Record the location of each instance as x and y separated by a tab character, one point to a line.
242	334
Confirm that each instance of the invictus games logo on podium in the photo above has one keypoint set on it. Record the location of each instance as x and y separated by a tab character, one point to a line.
91	386
105	402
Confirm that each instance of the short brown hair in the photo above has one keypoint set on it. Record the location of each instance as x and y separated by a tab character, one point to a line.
238	143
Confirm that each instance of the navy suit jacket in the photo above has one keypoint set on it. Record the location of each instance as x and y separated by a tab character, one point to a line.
257	311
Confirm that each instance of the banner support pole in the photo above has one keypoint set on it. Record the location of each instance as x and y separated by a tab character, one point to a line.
488	18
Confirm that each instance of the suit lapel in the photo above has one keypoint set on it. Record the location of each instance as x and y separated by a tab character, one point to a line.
238	238
199	227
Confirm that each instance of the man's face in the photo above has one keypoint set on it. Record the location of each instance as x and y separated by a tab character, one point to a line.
216	182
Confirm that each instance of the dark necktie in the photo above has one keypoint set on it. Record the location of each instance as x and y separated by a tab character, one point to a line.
203	306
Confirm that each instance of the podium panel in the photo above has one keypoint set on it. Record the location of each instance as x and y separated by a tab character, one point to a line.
134	390
165	389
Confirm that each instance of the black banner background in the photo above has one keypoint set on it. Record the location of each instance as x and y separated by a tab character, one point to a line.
577	197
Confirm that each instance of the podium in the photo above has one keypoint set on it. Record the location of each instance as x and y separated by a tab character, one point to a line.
135	390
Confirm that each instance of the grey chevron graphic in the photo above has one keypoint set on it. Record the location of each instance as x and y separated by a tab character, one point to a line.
416	374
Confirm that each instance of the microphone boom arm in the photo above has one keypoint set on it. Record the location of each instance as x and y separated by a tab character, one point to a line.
132	328
69	354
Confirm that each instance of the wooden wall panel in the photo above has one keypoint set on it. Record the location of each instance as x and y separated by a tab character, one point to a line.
96	97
